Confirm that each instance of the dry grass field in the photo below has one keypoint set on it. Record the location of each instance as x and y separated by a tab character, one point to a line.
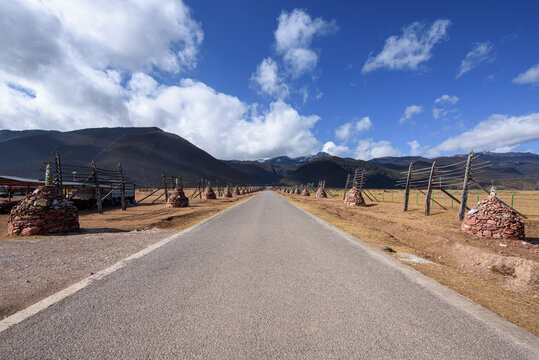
500	275
145	215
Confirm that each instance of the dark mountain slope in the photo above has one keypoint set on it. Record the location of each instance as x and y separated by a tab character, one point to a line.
143	152
334	170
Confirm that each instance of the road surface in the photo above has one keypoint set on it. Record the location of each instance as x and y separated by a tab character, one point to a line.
264	280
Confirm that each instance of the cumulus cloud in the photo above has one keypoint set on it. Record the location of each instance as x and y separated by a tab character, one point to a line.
408	51
66	73
443	104
351	129
481	52
225	126
336	150
497	132
368	149
410	112
415	148
531	76
293	38
75	69
447	99
267	78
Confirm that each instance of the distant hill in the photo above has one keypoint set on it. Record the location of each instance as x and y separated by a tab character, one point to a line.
146	152
143	152
6	135
335	169
270	171
258	173
511	170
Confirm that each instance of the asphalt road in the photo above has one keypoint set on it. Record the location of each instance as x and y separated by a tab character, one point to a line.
264	280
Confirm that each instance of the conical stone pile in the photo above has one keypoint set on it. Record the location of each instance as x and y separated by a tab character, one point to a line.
208	193
321	194
297	192
43	211
305	192
354	198
227	193
177	199
492	218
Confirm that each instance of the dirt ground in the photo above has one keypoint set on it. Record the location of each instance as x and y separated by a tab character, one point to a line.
501	275
35	267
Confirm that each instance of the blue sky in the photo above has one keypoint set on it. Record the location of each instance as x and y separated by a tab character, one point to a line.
253	79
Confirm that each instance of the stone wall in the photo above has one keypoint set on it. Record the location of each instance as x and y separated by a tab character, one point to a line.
492	218
321	194
354	198
208	193
177	199
43	212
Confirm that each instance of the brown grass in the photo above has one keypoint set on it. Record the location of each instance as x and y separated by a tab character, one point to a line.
145	215
501	278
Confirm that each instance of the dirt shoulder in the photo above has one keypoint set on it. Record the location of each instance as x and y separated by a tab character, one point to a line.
35	267
502	276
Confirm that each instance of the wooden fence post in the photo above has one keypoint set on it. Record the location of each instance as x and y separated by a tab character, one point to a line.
346	186
165	186
407	190
58	179
122	187
429	189
97	188
464	198
201	187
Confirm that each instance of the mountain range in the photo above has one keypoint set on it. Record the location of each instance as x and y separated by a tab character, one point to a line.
145	153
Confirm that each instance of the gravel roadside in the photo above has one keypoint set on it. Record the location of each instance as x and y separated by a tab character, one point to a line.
34	268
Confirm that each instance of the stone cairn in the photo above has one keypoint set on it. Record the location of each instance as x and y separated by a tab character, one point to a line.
227	193
41	212
354	198
178	199
296	191
321	193
208	193
490	218
305	192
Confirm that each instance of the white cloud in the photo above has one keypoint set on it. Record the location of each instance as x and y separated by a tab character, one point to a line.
293	38
267	77
129	34
415	148
223	125
497	132
409	50
363	124
447	99
300	61
353	128
444	103
74	57
336	150
368	149
481	52
90	64
531	76
410	112
344	131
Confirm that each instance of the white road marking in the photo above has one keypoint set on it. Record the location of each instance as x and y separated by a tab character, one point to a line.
70	290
